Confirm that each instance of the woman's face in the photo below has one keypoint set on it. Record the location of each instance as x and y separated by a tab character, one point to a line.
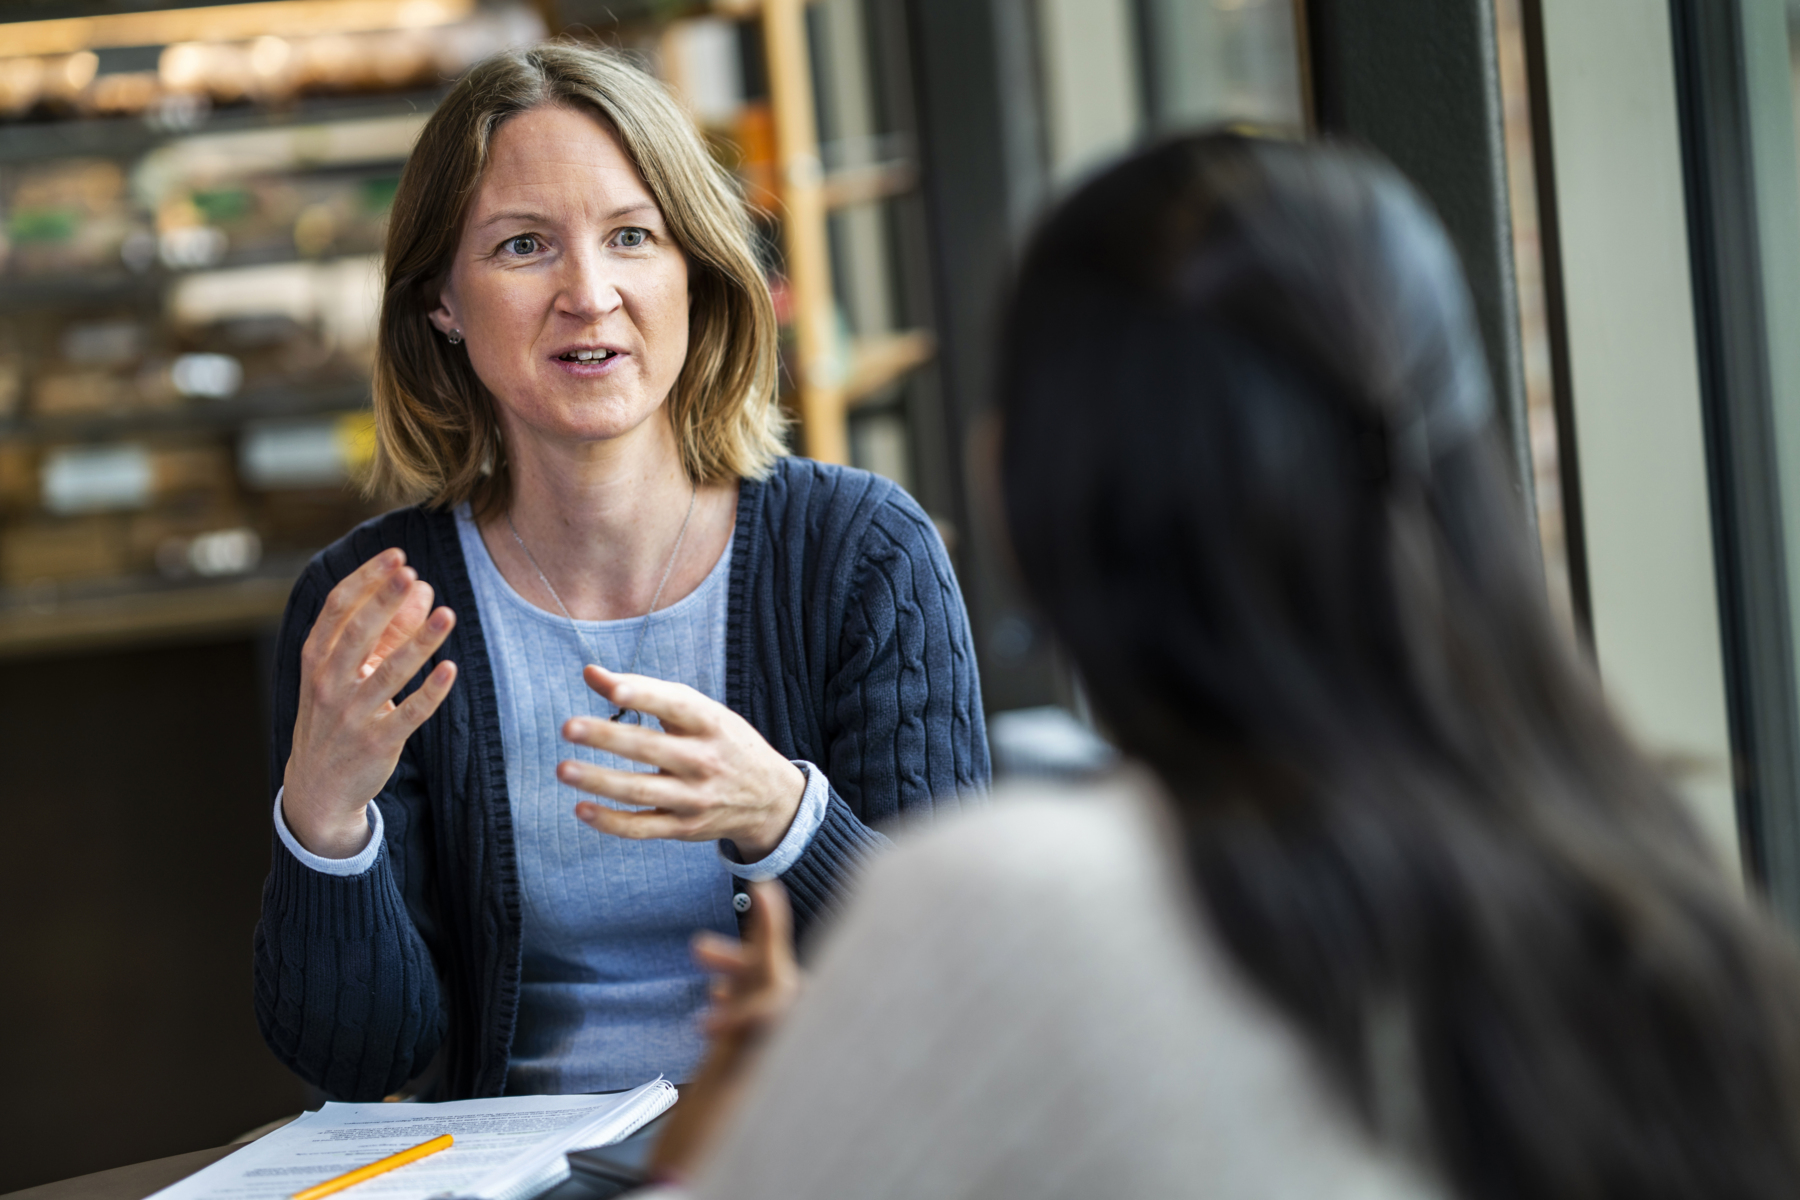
570	293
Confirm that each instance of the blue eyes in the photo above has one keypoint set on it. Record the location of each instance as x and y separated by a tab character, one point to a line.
527	244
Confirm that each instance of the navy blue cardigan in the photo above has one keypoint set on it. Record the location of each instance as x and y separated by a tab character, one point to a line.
846	645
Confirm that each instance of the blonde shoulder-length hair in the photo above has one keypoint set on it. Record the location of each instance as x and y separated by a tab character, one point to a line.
437	433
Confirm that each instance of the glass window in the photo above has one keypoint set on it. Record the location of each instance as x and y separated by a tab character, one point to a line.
1223	60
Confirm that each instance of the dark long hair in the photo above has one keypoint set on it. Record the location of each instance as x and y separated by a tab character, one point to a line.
1254	483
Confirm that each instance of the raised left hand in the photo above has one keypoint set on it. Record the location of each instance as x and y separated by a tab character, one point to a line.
716	777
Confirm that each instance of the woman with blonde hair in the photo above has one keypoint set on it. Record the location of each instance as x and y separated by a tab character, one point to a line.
638	595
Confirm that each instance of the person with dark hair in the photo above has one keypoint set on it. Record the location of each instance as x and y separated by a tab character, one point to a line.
1386	903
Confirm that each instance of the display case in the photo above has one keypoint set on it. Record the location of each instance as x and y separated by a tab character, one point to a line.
191	215
192	205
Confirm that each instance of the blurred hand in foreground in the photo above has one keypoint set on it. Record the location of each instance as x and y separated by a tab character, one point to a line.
755	983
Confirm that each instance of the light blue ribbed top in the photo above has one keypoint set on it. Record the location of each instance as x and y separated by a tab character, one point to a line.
609	991
609	994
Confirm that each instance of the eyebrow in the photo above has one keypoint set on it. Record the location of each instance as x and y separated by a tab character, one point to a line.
528	217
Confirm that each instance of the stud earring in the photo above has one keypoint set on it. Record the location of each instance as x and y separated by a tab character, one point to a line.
455	337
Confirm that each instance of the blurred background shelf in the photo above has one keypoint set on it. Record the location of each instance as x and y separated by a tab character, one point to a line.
264	403
192	208
884	359
192	205
129	136
866	184
145	613
105	289
288	19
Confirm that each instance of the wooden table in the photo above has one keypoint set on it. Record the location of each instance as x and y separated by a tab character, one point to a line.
142	1179
126	1183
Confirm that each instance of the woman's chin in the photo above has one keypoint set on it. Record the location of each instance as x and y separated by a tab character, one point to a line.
587	421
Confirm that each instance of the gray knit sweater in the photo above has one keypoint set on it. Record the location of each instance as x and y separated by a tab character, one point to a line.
1027	1002
847	646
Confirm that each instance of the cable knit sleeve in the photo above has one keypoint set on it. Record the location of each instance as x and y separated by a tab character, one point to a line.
346	992
902	717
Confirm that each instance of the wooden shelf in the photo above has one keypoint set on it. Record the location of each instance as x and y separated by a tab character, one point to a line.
876	362
226	607
197	415
826	387
94	289
804	243
131	136
227	22
860	185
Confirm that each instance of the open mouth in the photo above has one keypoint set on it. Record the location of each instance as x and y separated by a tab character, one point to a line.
588	356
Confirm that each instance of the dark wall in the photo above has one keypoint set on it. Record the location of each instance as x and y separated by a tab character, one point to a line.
137	836
984	182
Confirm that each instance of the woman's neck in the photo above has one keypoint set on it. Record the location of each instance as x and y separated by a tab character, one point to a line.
601	521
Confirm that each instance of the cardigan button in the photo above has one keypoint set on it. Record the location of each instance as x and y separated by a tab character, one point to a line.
741	902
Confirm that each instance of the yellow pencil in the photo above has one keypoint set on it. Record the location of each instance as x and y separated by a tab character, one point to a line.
379	1167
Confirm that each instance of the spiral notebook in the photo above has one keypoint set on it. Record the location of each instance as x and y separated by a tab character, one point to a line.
507	1148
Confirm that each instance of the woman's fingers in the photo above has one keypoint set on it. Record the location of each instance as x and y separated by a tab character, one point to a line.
348	596
400	664
419	706
755	985
375	631
652	747
627	787
361	629
771	927
681	709
406	622
716	952
759	978
638	826
714	769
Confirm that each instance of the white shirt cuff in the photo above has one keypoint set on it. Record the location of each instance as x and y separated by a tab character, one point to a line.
807	819
331	866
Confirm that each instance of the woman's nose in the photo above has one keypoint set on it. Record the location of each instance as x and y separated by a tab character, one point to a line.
589	291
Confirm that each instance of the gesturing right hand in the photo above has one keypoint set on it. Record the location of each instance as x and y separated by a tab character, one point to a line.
372	635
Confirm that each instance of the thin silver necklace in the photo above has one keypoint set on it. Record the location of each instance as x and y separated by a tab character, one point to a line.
644	628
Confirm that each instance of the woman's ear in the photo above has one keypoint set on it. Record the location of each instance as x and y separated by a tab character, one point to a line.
443	317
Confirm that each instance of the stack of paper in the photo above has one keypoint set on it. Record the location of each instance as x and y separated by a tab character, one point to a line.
510	1148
